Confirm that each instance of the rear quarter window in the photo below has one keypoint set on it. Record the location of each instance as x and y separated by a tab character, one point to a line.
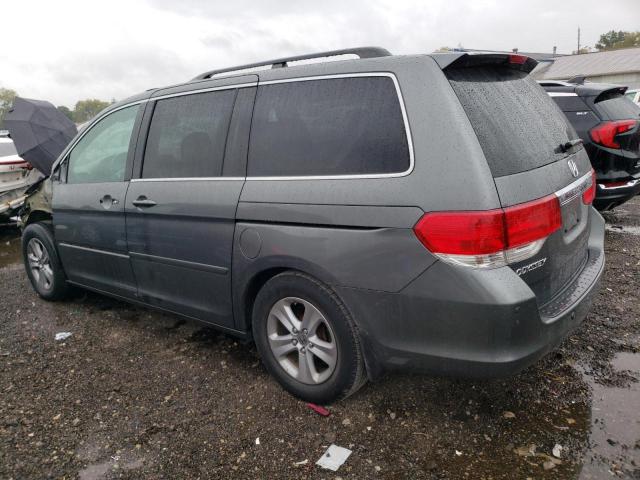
340	126
516	122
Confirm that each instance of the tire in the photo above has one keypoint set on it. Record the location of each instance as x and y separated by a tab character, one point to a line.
299	364
42	263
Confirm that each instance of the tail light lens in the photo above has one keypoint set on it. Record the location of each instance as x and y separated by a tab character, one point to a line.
605	133
492	238
590	193
518	59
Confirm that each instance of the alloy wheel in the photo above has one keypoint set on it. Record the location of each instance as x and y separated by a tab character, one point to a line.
40	264
302	340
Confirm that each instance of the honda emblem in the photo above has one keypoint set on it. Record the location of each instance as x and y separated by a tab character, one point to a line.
573	167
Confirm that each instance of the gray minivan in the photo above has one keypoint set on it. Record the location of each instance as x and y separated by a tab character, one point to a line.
350	217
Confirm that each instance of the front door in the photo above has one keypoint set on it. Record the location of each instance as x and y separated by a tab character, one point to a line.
88	205
181	211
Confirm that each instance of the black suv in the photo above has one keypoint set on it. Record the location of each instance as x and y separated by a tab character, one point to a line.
607	122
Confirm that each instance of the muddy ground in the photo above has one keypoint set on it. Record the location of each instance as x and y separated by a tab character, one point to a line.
137	394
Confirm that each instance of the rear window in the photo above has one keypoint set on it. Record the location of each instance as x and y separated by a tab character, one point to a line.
617	107
7	149
516	122
187	136
570	103
341	126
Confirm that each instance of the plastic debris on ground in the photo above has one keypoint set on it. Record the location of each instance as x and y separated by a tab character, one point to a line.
334	457
557	450
319	410
63	335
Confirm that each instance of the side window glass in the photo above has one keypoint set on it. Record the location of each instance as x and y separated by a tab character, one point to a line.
187	135
101	155
341	126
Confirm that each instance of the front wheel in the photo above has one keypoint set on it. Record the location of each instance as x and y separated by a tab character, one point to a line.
307	339
42	263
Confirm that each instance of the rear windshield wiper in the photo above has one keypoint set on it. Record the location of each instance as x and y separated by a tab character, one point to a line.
565	147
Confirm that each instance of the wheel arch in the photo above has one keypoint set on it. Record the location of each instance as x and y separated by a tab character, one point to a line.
251	276
36	216
248	282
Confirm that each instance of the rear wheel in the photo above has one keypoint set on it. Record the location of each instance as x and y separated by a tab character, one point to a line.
42	263
307	339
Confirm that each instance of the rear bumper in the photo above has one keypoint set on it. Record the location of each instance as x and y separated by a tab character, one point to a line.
609	196
473	323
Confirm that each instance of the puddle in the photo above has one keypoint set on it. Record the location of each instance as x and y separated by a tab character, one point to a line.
615	424
10	249
633	230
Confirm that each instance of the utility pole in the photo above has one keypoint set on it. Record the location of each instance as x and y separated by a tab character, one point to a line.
578	52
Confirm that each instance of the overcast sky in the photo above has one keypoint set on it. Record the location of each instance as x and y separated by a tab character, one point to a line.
64	50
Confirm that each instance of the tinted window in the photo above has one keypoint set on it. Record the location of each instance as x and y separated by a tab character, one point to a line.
617	107
570	104
517	124
187	136
101	154
328	127
7	149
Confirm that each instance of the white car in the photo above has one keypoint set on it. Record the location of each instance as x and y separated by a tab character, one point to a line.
15	177
634	95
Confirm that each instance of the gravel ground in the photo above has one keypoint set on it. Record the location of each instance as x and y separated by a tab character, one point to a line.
137	394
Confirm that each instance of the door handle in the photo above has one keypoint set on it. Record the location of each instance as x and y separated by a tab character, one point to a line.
107	201
143	202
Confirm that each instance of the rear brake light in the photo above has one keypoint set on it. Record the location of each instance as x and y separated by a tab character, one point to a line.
590	193
605	133
490	238
518	59
462	233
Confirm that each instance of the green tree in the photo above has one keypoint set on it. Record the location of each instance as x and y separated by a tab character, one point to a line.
582	50
67	112
87	109
613	40
6	101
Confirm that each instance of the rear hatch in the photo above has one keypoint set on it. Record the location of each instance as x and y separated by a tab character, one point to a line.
533	154
618	133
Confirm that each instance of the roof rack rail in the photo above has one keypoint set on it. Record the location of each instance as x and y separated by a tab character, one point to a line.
362	52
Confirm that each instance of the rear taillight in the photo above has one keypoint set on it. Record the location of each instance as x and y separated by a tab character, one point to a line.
590	193
492	238
517	59
605	133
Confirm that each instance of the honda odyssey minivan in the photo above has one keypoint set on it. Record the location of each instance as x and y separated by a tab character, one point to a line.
428	212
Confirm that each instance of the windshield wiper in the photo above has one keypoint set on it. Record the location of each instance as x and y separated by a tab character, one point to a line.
565	147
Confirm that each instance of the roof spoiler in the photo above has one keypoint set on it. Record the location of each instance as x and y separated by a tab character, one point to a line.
473	59
599	90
